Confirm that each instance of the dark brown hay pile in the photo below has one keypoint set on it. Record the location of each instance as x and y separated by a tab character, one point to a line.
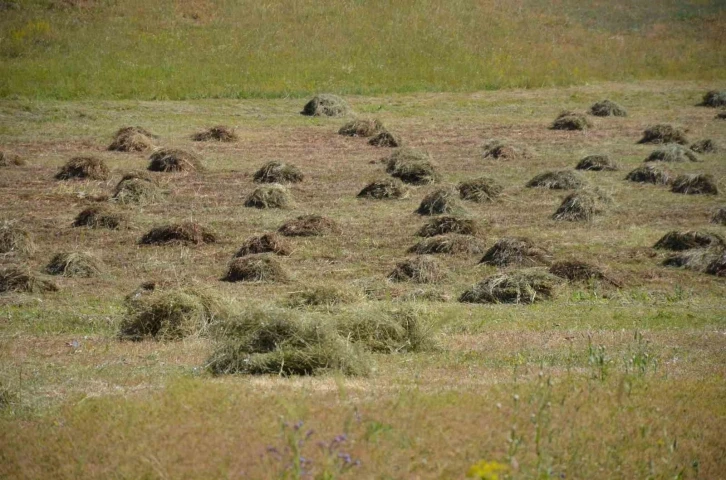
74	264
518	251
718	265
326	105
663	133
651	173
719	216
273	195
521	286
386	330
266	243
597	163
419	269
91	168
439	202
100	217
278	172
606	108
15	240
8	159
309	226
503	151
255	268
174	160
482	189
705	146
578	207
714	98
16	279
386	139
672	153
451	243
388	188
186	232
578	271
571	121
721	115
137	187
448	224
218	133
132	139
411	166
361	127
687	240
557	180
695	184
704	260
325	296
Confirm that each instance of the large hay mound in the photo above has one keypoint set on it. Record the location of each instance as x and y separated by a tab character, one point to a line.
500	150
714	98
577	207
309	226
719	216
385	330
324	296
15	240
90	168
412	166
137	187
695	184
255	268
384	189
607	108
74	264
266	243
439	202
521	286
100	217
518	251
186	233
448	224
361	127
652	173
278	172
482	189
218	133
174	160
557	180
597	163
571	121
705	146
451	243
132	139
419	269
273	195
687	240
22	280
699	260
386	139
8	159
672	153
578	271
663	133
326	105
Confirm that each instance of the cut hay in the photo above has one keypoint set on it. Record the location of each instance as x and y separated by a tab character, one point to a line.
74	264
266	243
578	271
718	265
8	159
719	216
309	226
174	160
326	105
137	187
419	269
15	240
480	190
606	108
499	150
90	168
672	153
218	133
424	295
597	163
132	139
520	287
439	202
22	280
100	217
714	98
451	244
386	330
384	189
185	233
448	224
663	133
278	172
652	173
695	184
519	251
255	268
687	240
557	180
411	166
361	127
698	260
720	116
324	296
386	139
273	195
577	207
705	146
571	121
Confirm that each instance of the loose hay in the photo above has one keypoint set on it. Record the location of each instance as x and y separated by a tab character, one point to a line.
448	224
720	116
186	233
218	133
652	173
83	168
309	226
386	139
522	286
714	98
361	127
388	188
132	139
719	216
606	108
266	243
705	146
695	184
411	166
597	163
662	133
672	153
420	269
255	268
174	160
100	217
75	264
326	105
322	296
718	265
15	240
22	280
699	260
687	240
578	271
269	196
503	151
482	189
451	243
557	180
577	207
439	202
518	251
137	187
8	159
278	172
571	121
385	330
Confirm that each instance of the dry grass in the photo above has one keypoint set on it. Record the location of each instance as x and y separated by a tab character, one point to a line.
719	216
273	195
703	260
705	146
500	150
189	233
663	133
450	243
386	139
384	189
655	174
578	207
419	269
516	251
132	139
362	127
714	99
597	163
100	217
439	202
412	166
579	271
571	121
75	264
482	189
255	268
557	180
400	330
309	226
23	280
14	240
83	168
8	159
672	153
137	188
218	133
695	184
676	240
325	296
265	243
448	224
519	286
174	160
607	108
278	172
326	105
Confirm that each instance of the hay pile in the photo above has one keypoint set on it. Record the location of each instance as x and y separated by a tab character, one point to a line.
8	159
15	240
273	195
557	180
388	188
100	217
578	271
420	269
386	139
695	184
521	286
266	243
309	226
578	207
326	105
519	251
568	120
606	108
132	139
718	265
703	260
677	241
720	116
22	280
174	160
411	166
448	224
482	189
384	330
705	146
663	133
714	98
500	150
597	163
361	127
278	172
450	243
74	264
218	133
324	296
255	268
652	173
439	202
719	216
672	153
185	233
90	168
137	187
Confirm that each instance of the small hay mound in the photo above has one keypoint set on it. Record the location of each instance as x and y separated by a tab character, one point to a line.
705	146
266	243
652	173
577	207
480	190
719	216
499	150
278	172
721	115
386	139
518	251
451	243
411	166
91	168
255	268
696	259
22	280
269	196
132	139
174	160
557	180
714	98
597	163
663	133
322	296
361	127
218	133
186	232
309	226
75	264
687	240
672	153
718	265
8	159
326	105
439	202
137	187
577	271
15	240
385	330
607	108
695	184
420	269
99	217
520	287
384	189
571	121
448	224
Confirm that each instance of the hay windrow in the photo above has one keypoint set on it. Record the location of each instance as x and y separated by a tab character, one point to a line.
714	99
74	264
568	120
482	189
703	260
578	271
186	233
278	172
22	280
578	207
15	240
273	195
100	217
705	146
309	226
519	287
255	268
607	108
439	202
174	160
387	330
326	105
132	139
419	269
695	184
218	133
597	163
386	139
651	173
137	187
8	159
719	216
361	127
677	241
672	153
324	296
448	224
663	133
500	150
384	189
89	168
519	251
451	243
557	180
266	243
